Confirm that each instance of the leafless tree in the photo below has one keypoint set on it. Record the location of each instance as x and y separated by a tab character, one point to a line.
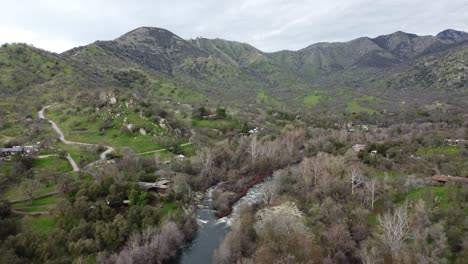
338	238
369	253
312	168
269	192
354	177
293	139
181	187
371	186
254	148
157	159
153	245
205	158
395	229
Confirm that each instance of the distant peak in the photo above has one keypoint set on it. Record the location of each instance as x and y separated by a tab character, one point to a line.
453	34
400	33
152	32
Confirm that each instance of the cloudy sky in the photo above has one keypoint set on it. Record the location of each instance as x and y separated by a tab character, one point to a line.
270	25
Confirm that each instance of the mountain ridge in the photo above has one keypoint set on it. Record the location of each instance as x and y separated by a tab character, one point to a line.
237	73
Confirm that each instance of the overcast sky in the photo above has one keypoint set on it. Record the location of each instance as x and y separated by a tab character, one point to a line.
270	25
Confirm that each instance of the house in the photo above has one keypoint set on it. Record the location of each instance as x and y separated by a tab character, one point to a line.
443	179
159	186
358	147
23	150
455	142
11	151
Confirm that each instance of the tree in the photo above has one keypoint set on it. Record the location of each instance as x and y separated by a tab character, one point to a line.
137	198
254	148
221	112
205	160
269	192
29	188
371	186
294	139
354	176
395	229
312	168
337	238
202	112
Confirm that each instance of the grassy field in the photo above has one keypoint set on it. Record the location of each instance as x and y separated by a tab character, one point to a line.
264	98
80	128
41	224
427	193
354	106
49	200
13	192
443	150
196	122
170	207
367	104
51	164
312	99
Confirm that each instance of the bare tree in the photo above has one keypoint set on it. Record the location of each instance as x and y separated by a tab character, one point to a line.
293	139
157	159
371	186
254	147
355	177
312	168
338	238
395	229
205	159
181	187
269	192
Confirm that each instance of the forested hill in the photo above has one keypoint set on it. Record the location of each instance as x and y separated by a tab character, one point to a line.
361	75
222	69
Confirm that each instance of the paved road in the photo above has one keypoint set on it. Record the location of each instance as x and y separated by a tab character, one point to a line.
67	142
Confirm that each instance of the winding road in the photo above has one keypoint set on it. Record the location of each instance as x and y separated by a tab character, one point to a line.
57	129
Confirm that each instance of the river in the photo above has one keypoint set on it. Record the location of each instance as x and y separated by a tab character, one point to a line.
211	230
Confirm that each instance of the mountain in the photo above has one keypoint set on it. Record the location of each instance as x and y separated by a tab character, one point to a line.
153	48
154	60
453	35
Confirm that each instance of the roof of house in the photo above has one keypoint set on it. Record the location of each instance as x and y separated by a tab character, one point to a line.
441	178
162	182
158	185
447	178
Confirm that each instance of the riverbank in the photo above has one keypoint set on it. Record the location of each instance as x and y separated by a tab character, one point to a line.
211	229
228	193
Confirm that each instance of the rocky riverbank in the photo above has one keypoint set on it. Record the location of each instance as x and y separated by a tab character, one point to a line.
228	193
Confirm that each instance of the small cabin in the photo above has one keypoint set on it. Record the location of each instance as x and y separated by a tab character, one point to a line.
443	179
159	186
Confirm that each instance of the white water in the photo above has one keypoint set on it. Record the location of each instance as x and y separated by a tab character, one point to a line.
211	231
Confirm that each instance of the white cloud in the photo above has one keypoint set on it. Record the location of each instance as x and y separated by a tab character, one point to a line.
266	24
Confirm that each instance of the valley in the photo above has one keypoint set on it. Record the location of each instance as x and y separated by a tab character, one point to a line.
151	148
